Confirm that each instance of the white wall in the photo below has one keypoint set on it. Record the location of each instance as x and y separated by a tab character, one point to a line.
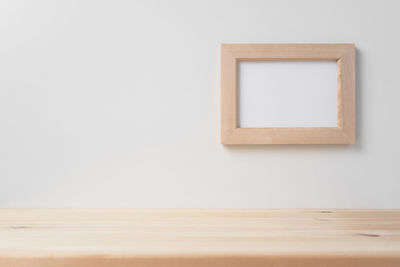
116	104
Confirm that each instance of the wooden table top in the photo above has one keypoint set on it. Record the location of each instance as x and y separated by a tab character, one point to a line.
169	237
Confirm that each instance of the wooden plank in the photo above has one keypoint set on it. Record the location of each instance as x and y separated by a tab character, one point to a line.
126	237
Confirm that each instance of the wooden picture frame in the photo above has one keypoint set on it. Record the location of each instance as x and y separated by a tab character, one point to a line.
343	54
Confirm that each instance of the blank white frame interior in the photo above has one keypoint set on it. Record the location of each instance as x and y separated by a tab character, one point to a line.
287	94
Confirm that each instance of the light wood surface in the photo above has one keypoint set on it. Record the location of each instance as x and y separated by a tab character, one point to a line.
344	133
124	237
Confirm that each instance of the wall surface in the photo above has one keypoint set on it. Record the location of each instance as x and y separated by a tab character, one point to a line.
116	104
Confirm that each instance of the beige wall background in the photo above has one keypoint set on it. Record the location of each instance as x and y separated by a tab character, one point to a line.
116	104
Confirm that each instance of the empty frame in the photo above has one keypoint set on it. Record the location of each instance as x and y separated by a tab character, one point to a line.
287	94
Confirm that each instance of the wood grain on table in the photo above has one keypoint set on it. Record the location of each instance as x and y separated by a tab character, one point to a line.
181	237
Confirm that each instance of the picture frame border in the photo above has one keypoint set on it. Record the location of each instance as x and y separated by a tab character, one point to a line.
343	54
